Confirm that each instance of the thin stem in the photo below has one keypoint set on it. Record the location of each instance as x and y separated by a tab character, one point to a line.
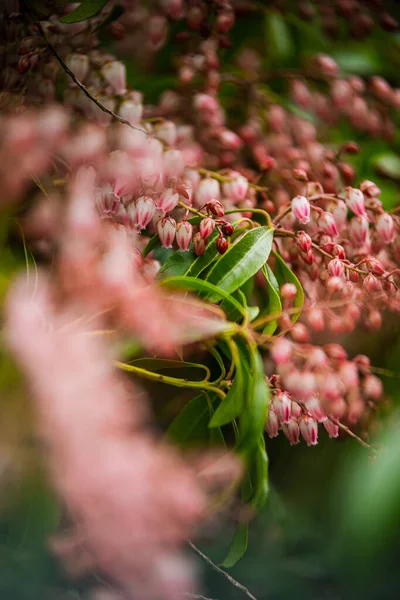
258	211
221	571
281	215
175	381
351	433
74	77
191	209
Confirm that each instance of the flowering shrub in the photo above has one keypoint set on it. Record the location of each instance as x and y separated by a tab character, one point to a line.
234	248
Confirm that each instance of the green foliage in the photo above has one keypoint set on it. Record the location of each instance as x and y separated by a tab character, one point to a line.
285	275
86	10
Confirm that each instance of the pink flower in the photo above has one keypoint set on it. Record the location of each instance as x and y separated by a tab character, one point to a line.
145	209
331	428
301	209
208	189
335	267
355	201
166	229
281	351
199	244
168	201
236	189
315	409
79	65
114	73
207	227
282	407
358	230
372	387
304	241
328	225
291	430
184	234
309	430
272	424
131	111
385	227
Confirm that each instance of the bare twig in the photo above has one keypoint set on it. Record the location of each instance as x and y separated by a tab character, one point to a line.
197	596
221	571
74	77
351	433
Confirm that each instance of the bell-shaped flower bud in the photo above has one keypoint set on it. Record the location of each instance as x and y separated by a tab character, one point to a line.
358	230
331	428
281	351
327	224
236	189
355	201
114	73
372	387
208	189
272	424
315	409
168	201
309	430
288	291
216	208
339	212
131	111
282	406
166	132
291	429
304	241
145	209
372	284
173	163
335	268
79	65
222	245
301	209
166	229
385	227
184	234
370	189
199	244
207	227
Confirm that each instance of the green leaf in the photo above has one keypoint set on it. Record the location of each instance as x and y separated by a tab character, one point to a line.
204	261
233	403
260	481
176	265
277	36
241	261
285	275
190	426
238	546
388	165
204	288
253	417
274	300
253	312
86	10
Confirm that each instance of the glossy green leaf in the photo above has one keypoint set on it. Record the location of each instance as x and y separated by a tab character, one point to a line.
204	288
176	265
260	481
238	546
274	299
233	404
253	312
241	261
285	275
86	10
186	263
252	420
202	262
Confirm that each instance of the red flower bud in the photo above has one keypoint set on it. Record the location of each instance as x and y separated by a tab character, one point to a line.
222	245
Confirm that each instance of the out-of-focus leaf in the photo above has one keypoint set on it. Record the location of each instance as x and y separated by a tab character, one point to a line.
285	275
190	426
238	546
86	10
388	165
356	59
277	36
242	260
176	265
253	417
